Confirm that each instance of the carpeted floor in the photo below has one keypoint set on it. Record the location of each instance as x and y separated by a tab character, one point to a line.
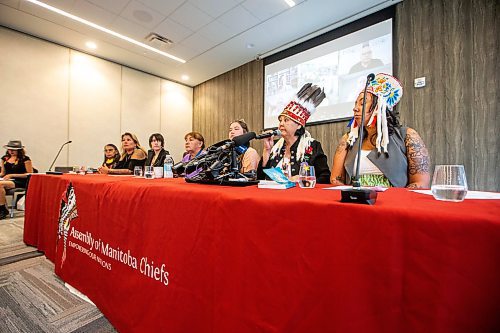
32	297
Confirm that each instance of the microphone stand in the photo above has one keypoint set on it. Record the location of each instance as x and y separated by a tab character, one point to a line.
50	172
358	194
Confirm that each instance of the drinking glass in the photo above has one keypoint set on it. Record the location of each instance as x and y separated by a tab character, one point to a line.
307	176
138	171
149	172
158	172
449	183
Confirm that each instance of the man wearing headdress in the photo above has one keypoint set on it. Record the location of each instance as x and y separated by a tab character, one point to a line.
391	155
296	145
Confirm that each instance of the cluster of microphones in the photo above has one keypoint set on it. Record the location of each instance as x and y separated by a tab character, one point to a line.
222	154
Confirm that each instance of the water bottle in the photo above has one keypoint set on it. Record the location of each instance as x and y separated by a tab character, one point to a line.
167	167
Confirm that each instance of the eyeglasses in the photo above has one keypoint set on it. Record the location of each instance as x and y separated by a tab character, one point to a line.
106	150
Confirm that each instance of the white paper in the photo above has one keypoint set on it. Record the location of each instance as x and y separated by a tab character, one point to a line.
470	194
347	187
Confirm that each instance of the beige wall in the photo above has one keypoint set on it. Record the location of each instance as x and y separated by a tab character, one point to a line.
50	94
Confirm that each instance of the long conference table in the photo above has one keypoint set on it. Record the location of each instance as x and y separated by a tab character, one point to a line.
164	255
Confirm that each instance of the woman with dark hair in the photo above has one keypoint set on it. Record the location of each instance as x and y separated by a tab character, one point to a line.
194	143
296	144
132	155
15	166
249	159
111	156
157	153
391	155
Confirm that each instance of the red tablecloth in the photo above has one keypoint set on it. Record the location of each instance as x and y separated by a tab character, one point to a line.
226	259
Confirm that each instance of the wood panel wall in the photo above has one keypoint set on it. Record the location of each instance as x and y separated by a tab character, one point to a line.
453	43
237	94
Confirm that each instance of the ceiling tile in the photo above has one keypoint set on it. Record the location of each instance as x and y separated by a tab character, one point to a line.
92	13
183	52
215	8
130	29
198	43
191	17
114	6
166	7
216	32
264	9
238	19
142	15
173	30
60	4
10	3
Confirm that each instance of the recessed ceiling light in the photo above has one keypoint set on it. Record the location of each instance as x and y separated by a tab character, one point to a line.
100	28
290	3
185	77
91	45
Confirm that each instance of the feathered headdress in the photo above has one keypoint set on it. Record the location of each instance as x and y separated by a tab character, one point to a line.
299	110
389	92
304	104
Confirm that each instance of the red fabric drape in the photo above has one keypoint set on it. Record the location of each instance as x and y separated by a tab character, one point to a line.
254	260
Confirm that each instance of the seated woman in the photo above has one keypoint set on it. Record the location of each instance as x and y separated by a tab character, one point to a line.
15	166
111	156
391	155
249	160
132	155
296	144
194	143
157	154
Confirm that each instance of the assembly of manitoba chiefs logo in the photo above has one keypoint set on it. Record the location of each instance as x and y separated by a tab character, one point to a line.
67	213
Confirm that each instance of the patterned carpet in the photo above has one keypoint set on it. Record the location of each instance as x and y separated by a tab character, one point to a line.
32	297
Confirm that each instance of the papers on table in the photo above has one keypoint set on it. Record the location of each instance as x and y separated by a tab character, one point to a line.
347	187
470	194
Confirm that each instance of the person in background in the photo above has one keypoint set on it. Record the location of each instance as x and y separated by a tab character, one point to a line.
111	156
15	167
296	144
132	155
391	155
157	153
249	160
194	144
366	61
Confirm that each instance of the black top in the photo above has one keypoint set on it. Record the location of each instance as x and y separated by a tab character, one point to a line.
129	163
160	160
316	158
18	167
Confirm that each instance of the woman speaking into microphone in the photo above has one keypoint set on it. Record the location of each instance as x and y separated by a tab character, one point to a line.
296	144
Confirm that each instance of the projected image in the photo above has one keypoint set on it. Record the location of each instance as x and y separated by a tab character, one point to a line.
340	66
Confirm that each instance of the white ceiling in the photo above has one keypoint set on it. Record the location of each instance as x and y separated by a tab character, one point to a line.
213	36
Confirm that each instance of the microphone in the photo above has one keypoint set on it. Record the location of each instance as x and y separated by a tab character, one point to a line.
244	139
268	134
358	194
54	161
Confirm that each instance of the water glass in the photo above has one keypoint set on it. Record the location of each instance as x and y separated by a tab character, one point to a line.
149	172
307	176
158	171
138	171
449	183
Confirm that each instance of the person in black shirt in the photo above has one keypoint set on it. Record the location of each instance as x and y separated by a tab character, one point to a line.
132	155
15	166
296	145
111	156
157	153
